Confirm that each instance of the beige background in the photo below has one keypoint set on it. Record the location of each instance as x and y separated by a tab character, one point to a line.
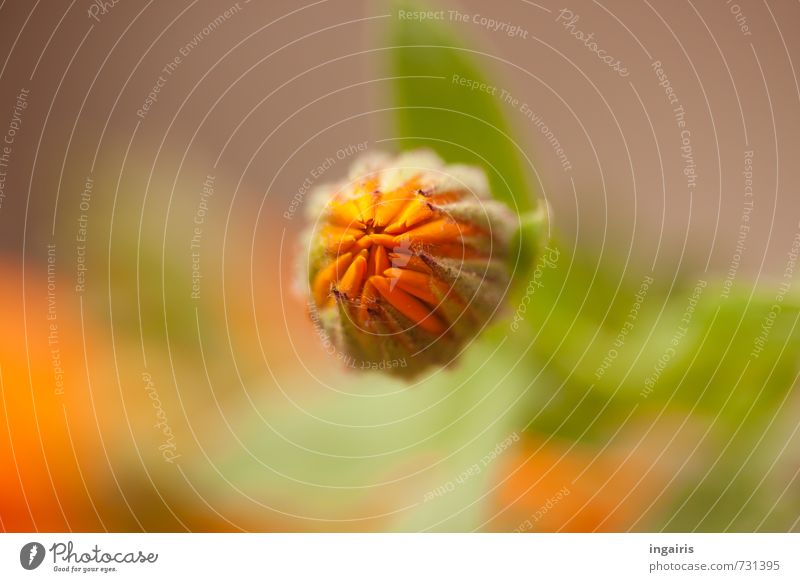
736	89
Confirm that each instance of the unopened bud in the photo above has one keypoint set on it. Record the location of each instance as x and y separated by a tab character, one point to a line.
408	260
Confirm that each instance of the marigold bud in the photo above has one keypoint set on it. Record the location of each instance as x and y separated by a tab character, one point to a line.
408	261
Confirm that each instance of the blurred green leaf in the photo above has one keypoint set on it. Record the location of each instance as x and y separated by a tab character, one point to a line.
702	354
419	455
435	110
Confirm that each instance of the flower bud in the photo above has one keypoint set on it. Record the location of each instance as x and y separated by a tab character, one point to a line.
408	261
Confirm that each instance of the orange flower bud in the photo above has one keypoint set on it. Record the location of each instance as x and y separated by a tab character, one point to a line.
408	261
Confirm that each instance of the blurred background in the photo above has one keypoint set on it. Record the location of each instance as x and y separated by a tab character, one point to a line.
158	371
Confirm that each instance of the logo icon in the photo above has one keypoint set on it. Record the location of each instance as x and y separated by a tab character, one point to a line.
31	555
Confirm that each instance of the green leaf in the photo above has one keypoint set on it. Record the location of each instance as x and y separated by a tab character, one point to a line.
417	458
434	110
526	245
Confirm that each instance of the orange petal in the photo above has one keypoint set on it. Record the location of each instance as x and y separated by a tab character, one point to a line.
335	230
368	297
408	306
445	197
409	277
364	242
365	197
386	240
438	231
378	260
340	245
418	284
328	276
457	251
351	282
365	207
390	204
338	240
412	214
346	214
412	262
